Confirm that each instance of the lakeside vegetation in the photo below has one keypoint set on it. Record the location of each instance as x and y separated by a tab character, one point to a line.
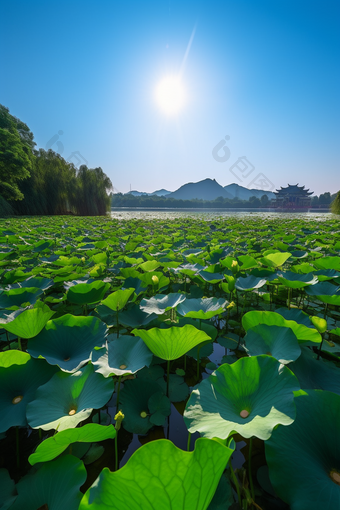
129	200
39	182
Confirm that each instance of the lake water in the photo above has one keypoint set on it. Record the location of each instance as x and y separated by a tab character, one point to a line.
209	214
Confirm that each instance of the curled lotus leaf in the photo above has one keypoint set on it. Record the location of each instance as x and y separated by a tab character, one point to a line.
160	475
250	397
275	259
18	297
276	341
295	280
304	334
68	399
123	355
87	293
315	373
28	323
171	343
118	299
249	283
54	486
204	308
328	263
304	469
20	376
161	303
68	341
134	403
55	445
326	292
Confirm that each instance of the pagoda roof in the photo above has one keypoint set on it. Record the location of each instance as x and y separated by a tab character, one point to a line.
293	190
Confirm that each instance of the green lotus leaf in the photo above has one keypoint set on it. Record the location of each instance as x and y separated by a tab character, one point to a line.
37	282
149	265
55	445
87	293
136	284
210	277
8	493
275	259
204	308
134	403
249	283
68	341
248	262
326	292
118	299
54	486
258	388
295	315
160	475
223	497
18	297
299	254
202	350
68	399
178	388
123	355
28	323
160	407
94	453
319	323
304	458
197	323
327	274
295	280
171	343
276	341
316	374
161	303
20	376
328	263
134	317
304	334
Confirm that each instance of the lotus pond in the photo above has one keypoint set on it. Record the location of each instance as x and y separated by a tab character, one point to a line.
189	363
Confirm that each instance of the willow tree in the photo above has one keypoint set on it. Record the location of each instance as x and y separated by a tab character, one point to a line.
335	206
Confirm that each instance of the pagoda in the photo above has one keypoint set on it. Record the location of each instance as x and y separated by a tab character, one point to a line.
292	198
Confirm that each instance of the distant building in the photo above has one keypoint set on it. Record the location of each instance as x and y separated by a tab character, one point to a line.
292	198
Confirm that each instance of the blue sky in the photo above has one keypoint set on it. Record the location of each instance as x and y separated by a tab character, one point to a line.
265	73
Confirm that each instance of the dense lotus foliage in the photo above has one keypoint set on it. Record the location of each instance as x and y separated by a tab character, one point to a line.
124	341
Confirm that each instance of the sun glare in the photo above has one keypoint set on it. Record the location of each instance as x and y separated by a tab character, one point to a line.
170	95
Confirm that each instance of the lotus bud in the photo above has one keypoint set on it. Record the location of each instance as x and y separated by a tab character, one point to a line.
119	418
234	266
83	259
155	280
319	324
231	305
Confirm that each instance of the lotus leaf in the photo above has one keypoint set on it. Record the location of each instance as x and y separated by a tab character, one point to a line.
28	323
118	299
68	341
123	355
161	303
326	292
249	283
277	341
8	493
296	315
20	376
87	293
134	403
178	389
134	317
204	308
160	407
19	297
210	277
305	473
54	486
160	475
68	399
316	374
171	343
250	396
295	280
328	263
55	445
275	259
304	334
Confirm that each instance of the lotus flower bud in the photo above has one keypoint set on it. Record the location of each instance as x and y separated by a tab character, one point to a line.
155	280
119	418
234	266
319	324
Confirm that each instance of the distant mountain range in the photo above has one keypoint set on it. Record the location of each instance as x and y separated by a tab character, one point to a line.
208	189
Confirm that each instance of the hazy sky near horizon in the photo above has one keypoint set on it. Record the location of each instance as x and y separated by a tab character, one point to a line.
83	75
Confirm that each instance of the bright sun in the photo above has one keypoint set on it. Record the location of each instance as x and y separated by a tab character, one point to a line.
170	95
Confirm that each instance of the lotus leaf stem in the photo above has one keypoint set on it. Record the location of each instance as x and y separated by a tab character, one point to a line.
237	485
19	342
118	390
189	440
249	468
116	451
167	378
17	446
117	323
185	361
